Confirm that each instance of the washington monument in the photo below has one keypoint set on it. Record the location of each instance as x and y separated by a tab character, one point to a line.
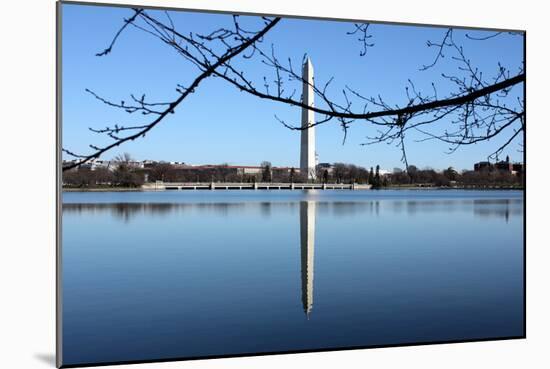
307	148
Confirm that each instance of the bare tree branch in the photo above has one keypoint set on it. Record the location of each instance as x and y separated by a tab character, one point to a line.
475	109
232	52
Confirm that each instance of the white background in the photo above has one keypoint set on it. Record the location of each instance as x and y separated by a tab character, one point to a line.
27	185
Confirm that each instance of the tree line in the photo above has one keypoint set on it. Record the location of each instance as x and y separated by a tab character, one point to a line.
124	174
452	178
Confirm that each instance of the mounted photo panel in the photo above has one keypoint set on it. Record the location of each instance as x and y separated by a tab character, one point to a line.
251	184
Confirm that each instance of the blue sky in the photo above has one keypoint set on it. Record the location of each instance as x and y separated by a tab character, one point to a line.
218	124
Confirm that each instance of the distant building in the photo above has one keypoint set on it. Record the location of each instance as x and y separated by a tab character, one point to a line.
103	164
247	169
111	165
136	164
504	166
518	168
93	164
66	163
483	166
285	169
149	164
238	169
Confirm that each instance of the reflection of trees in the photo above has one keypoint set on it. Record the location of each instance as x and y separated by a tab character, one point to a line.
222	208
347	208
414	206
482	207
126	211
123	211
503	208
265	208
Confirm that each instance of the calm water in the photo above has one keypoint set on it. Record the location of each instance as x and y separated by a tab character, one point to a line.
161	275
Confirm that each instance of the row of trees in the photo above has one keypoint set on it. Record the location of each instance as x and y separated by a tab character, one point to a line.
451	177
338	173
349	173
124	174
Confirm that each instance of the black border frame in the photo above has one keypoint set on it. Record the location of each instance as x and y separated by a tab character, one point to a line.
59	189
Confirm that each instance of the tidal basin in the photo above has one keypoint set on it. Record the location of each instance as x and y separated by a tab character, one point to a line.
182	274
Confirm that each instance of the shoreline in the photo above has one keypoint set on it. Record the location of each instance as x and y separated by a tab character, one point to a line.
104	189
404	188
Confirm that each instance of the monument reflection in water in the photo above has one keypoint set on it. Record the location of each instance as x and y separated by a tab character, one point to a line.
160	275
307	246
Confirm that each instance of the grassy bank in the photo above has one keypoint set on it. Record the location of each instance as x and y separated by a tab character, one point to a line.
102	189
413	187
393	187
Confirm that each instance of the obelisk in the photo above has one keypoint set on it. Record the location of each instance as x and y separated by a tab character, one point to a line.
307	147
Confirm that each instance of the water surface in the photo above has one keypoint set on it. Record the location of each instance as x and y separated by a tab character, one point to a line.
176	274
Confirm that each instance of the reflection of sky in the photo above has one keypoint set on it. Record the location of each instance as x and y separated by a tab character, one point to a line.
192	278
